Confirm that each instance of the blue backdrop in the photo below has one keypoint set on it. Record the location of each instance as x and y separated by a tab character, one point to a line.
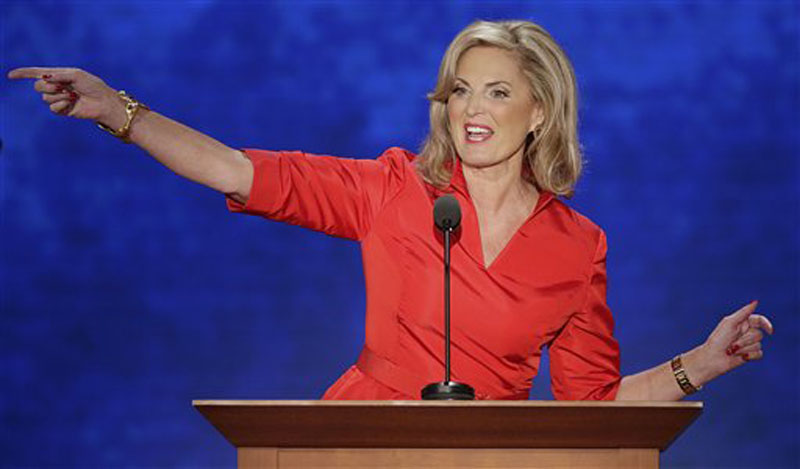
127	291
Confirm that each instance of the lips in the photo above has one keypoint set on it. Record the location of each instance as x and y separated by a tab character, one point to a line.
477	133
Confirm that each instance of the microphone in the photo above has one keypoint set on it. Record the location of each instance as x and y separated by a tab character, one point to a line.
447	217
447	213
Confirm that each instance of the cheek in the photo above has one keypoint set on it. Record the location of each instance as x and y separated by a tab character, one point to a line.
453	115
524	117
515	120
453	110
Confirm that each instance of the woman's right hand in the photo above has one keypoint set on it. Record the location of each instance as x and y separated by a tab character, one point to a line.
189	153
75	93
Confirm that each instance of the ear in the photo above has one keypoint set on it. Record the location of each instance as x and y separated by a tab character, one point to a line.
537	117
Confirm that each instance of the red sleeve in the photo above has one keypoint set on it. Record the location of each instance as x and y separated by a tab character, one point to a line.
584	356
338	196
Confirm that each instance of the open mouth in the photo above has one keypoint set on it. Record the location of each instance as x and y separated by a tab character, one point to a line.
478	133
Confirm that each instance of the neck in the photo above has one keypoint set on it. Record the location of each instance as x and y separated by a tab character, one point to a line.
497	188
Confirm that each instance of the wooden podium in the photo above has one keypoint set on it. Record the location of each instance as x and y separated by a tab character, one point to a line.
416	434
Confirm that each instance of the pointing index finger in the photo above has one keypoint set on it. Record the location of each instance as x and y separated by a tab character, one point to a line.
742	313
27	72
33	72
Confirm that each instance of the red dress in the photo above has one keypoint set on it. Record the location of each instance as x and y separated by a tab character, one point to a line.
546	288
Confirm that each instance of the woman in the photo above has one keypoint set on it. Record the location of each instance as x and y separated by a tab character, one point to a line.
529	272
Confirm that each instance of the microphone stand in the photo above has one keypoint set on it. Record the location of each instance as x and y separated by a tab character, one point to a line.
447	390
447	233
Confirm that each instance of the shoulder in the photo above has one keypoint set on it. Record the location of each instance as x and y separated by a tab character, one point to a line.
397	164
588	235
397	156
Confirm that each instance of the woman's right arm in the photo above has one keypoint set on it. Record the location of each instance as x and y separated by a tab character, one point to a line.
187	152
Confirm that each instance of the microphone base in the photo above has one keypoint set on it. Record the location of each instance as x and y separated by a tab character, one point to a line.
448	391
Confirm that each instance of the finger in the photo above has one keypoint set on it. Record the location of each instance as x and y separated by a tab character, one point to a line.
743	327
33	72
60	107
750	356
53	98
42	86
750	349
761	322
752	336
742	313
64	75
70	106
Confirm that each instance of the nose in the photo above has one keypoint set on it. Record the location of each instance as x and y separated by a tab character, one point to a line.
474	104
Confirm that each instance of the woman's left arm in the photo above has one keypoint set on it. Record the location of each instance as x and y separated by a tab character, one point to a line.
735	341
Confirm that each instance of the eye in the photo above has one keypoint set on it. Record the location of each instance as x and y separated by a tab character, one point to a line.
499	93
459	90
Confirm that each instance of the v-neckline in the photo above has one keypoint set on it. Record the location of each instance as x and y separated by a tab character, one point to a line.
471	238
541	199
505	247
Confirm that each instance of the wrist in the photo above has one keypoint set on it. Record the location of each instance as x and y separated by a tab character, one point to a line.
698	367
132	108
114	115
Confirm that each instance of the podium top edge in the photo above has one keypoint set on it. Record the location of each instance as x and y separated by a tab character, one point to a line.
520	403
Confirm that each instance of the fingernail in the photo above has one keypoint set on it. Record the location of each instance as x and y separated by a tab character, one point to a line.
745	357
734	349
73	95
47	76
728	351
754	301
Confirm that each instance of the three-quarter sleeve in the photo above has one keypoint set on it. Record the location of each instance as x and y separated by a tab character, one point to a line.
584	356
337	196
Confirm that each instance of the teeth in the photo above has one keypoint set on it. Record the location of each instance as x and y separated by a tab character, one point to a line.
478	130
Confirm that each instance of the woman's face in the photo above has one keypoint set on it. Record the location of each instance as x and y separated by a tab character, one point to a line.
490	109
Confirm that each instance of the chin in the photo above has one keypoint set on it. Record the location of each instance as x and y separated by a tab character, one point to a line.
479	157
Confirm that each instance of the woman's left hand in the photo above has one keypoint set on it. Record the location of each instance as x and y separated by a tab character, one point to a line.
736	340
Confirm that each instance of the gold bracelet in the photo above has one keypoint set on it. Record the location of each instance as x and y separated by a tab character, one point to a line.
680	376
131	108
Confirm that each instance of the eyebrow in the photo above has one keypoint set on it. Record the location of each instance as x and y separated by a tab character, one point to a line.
492	83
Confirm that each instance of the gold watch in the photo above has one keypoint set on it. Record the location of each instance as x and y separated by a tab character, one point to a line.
131	108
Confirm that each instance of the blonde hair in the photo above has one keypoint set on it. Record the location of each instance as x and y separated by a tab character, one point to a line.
553	154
